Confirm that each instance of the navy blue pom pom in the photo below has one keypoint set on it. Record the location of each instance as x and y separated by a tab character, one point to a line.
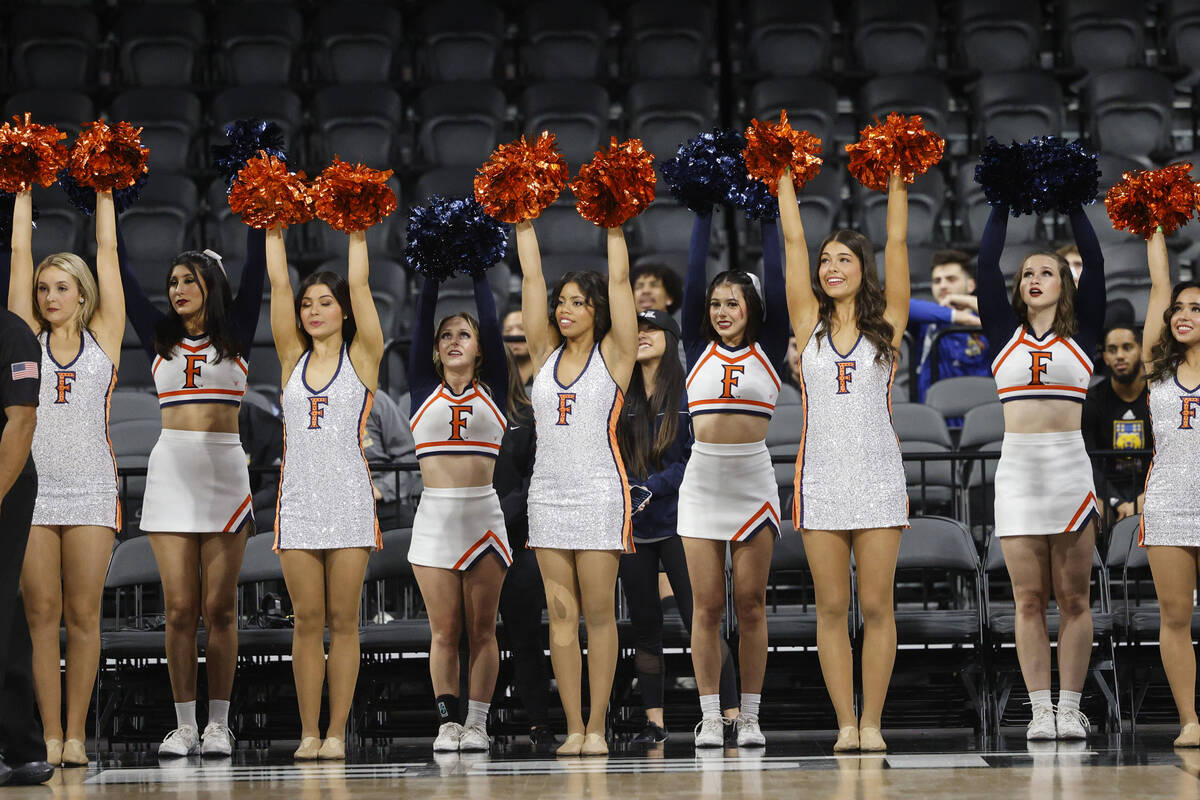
1063	175
84	199
451	235
7	200
1001	172
755	199
246	138
706	169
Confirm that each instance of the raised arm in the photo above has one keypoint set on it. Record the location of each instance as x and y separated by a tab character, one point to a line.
20	278
897	286
421	375
366	351
619	347
996	313
250	290
289	345
801	300
143	314
1091	299
1160	293
108	323
541	337
774	335
495	360
695	282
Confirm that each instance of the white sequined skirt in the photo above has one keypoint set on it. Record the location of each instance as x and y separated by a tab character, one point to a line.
728	492
197	482
456	528
1044	484
73	498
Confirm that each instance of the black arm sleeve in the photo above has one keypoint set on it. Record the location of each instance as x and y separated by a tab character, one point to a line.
774	337
244	313
1091	299
141	312
421	375
995	311
695	282
495	362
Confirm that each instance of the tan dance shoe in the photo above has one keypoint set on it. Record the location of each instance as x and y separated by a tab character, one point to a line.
310	747
847	740
74	754
572	746
870	740
332	749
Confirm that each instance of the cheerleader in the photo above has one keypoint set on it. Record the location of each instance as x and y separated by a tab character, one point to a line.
1169	516
655	436
458	377
197	507
328	336
1040	343
850	493
735	338
583	351
79	326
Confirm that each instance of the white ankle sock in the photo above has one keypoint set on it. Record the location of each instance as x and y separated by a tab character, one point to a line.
750	704
218	711
185	714
710	706
477	713
1040	699
1068	700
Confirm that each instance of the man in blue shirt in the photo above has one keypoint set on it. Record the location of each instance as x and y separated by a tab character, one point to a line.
955	305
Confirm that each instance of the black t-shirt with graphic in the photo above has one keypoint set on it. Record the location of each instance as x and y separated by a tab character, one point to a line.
1110	423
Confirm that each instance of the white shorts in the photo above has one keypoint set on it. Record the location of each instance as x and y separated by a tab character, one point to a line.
728	492
1044	484
197	482
456	528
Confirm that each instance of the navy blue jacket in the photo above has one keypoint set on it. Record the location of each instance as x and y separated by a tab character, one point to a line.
659	519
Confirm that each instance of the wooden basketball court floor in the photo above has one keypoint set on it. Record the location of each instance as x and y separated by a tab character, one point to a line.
918	765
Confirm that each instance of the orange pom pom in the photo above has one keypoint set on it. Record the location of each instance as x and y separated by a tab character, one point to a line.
616	185
520	180
898	143
1145	199
773	146
351	197
108	157
265	194
29	154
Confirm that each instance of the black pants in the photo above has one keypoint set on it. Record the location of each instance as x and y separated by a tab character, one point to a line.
639	576
20	728
522	599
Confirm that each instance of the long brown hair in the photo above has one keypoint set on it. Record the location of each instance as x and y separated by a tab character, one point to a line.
754	305
643	450
869	303
1167	353
1065	324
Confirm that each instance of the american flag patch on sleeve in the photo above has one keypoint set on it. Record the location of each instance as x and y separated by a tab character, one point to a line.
24	369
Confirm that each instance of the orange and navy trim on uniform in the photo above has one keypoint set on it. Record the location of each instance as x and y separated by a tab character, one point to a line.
279	491
488	543
460	446
798	478
1035	389
733	369
1087	511
368	402
112	384
765	517
243	514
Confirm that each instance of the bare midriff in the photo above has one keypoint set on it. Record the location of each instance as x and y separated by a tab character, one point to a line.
1042	416
205	417
457	471
729	428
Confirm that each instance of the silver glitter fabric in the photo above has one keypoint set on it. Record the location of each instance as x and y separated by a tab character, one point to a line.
325	497
849	475
77	473
1172	512
578	495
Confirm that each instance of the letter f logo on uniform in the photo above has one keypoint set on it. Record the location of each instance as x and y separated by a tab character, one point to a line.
845	375
1187	412
63	387
566	405
316	411
191	369
1037	366
458	421
730	380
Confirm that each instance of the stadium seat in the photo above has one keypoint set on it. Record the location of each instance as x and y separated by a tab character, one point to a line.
1023	233
357	123
460	123
160	45
889	38
66	110
1129	111
575	112
157	227
1017	105
664	228
668	39
270	103
257	43
1103	34
954	397
129	405
921	429
785	39
53	48
169	119
264	374
384	240
560	229
811	104
666	113
791	605
445	181
994	37
132	441
357	42
924	94
134	370
60	227
564	41
926	198
1180	22
460	41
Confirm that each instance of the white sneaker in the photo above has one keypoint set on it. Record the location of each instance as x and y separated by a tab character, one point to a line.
448	738
748	732
1071	724
1041	727
710	732
474	738
183	741
217	740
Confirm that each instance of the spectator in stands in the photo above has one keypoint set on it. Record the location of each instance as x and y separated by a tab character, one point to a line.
326	335
79	324
458	374
1039	340
956	305
1171	518
655	285
513	330
388	438
1071	253
1116	416
850	500
262	439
